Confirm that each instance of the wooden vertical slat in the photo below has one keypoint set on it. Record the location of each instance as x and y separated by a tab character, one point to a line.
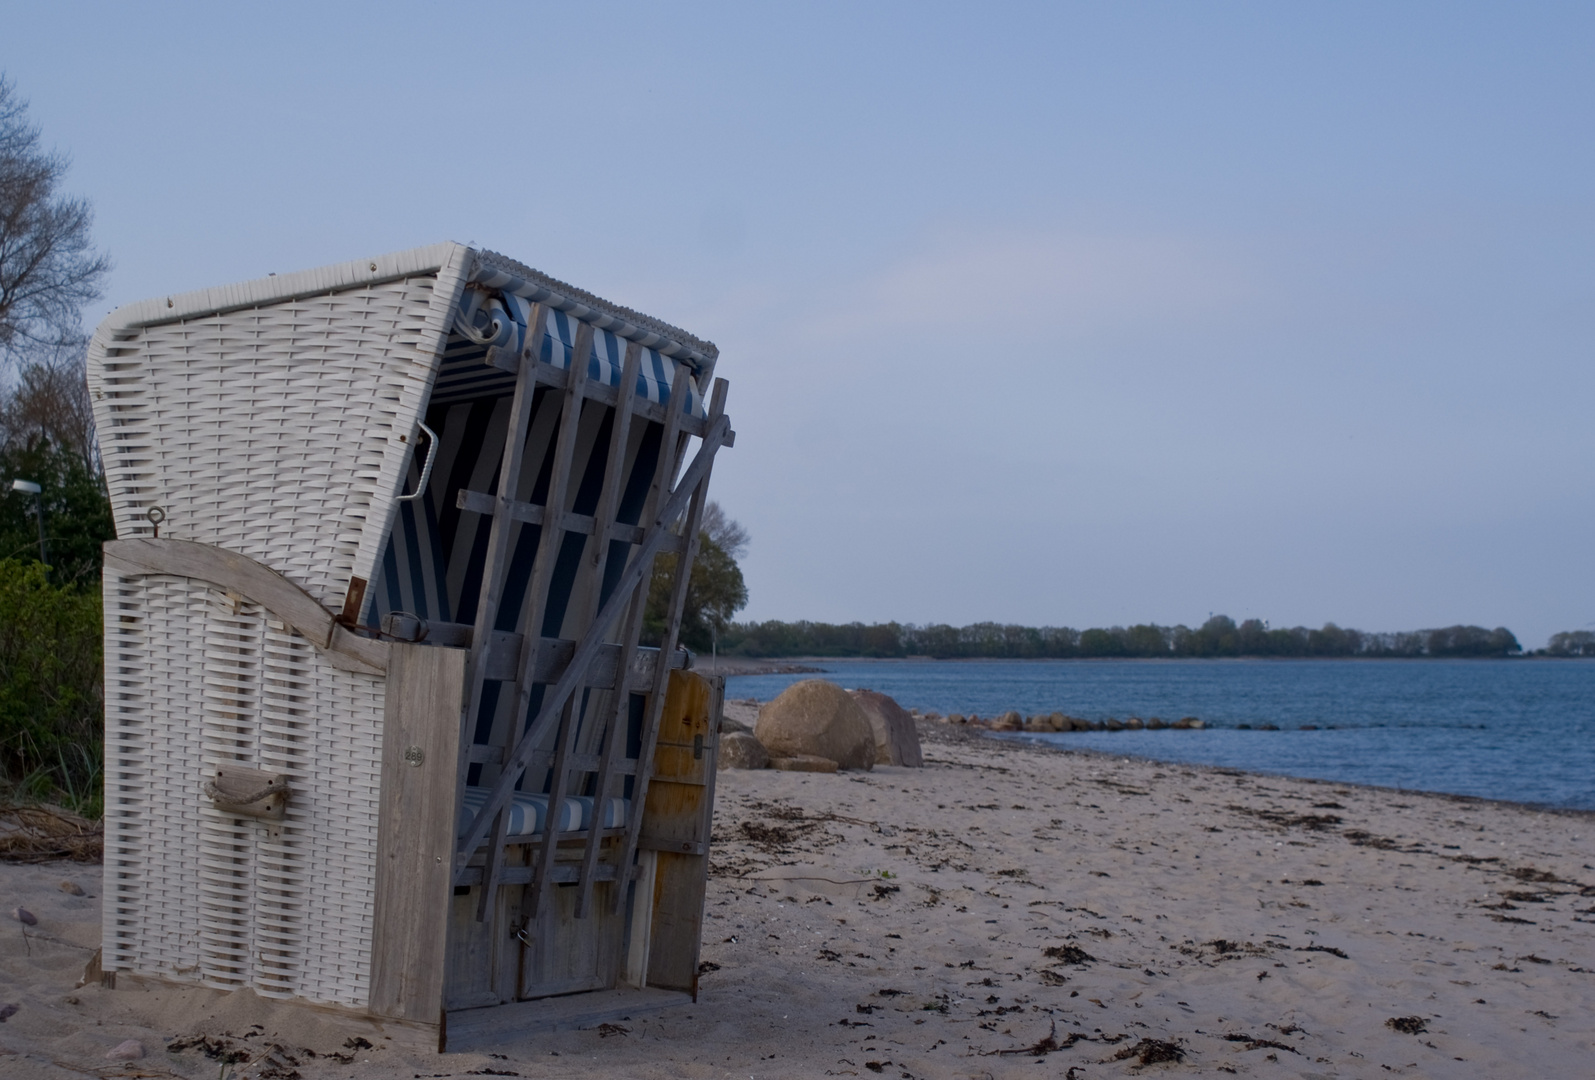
497	559
598	559
620	703
549	541
656	702
533	898
642	911
415	830
680	808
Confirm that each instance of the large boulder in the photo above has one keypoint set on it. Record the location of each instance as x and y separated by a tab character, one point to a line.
896	738
816	718
740	750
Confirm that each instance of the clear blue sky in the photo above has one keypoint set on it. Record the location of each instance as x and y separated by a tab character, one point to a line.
1066	314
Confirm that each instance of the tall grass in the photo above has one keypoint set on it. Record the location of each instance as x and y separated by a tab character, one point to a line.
51	709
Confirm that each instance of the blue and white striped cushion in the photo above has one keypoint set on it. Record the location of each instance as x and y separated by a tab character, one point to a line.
528	812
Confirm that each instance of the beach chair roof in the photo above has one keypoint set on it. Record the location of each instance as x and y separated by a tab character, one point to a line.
278	417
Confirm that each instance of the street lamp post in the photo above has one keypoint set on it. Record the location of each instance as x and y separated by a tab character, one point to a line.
28	487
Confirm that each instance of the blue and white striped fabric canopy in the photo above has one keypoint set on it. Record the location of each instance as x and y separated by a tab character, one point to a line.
501	319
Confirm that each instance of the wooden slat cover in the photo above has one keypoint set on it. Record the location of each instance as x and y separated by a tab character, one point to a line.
415	831
680	803
591	642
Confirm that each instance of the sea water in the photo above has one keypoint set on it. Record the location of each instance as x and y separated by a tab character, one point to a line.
1522	730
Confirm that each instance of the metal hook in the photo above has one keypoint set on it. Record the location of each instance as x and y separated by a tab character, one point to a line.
156	516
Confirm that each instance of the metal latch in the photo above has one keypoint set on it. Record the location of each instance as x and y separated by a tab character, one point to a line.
697	748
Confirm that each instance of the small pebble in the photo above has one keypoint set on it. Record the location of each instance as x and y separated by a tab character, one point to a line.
7	1011
25	917
71	888
131	1050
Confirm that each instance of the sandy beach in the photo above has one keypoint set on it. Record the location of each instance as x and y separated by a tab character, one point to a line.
1005	911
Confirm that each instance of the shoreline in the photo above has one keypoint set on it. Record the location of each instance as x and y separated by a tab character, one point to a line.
1516	734
734	666
1029	741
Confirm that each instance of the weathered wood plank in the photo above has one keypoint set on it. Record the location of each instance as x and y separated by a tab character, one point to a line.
258	583
642	921
549	542
415	831
563	954
469	980
502	662
563	873
616	703
496	560
497	563
206	562
677	817
477	502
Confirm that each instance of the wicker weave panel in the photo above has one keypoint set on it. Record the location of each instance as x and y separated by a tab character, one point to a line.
280	431
193	894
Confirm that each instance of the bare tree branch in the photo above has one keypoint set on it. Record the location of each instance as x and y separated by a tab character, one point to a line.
50	400
49	267
726	531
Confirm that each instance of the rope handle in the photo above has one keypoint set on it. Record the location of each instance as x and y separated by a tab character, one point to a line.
276	786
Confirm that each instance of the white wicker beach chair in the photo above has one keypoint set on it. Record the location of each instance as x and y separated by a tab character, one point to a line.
379	731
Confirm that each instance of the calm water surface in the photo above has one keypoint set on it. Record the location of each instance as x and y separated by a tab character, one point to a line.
1520	730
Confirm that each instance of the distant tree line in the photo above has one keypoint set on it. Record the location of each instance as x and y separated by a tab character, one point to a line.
1571	643
1220	636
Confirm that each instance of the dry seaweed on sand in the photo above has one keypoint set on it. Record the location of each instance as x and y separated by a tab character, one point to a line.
1151	1052
1408	1025
216	1047
1069	954
1330	949
1285	820
1042	1047
30	834
1254	1043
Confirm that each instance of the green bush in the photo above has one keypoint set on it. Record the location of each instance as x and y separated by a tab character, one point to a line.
51	744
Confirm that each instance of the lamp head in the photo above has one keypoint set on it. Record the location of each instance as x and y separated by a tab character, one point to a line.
27	486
